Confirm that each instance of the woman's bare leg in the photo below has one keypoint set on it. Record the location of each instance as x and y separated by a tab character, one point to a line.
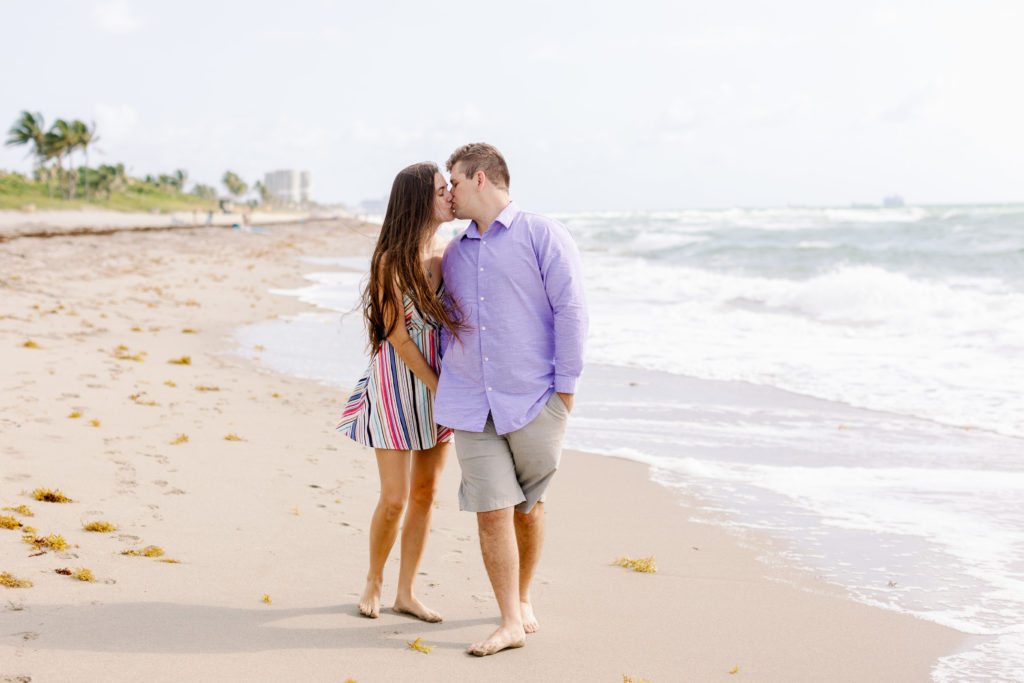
393	467
426	470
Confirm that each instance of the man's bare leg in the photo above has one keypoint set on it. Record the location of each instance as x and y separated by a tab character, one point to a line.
501	559
393	467
529	539
426	470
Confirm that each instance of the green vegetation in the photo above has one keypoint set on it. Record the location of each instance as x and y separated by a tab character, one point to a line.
108	189
57	183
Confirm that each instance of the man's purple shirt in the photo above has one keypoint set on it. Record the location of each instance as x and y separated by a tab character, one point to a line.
519	291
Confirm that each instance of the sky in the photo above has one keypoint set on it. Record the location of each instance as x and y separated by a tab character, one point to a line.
596	106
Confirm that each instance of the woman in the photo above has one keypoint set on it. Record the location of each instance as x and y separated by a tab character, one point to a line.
391	408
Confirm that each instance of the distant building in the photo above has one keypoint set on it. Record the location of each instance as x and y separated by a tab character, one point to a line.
893	201
290	185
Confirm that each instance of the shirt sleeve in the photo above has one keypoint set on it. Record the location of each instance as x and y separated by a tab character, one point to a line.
562	272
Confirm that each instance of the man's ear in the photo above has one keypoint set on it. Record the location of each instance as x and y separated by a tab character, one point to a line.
480	178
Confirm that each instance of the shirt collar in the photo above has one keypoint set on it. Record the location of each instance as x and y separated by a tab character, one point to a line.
503	219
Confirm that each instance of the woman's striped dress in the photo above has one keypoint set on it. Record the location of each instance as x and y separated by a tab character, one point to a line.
390	407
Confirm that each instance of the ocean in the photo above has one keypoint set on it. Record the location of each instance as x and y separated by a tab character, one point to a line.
847	380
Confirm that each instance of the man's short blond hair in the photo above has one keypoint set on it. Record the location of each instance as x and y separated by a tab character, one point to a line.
479	156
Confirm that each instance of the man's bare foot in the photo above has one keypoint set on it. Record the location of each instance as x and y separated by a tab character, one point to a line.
502	639
369	604
530	623
417	609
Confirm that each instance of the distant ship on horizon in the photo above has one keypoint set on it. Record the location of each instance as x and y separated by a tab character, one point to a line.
893	201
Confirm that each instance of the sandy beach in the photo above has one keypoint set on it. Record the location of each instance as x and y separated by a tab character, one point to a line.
237	474
96	220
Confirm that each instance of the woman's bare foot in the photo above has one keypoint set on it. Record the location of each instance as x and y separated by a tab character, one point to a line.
369	604
417	609
530	623
502	639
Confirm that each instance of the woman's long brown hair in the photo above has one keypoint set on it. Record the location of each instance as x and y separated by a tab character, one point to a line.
408	225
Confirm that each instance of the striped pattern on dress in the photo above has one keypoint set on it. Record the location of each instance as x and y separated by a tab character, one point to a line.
390	407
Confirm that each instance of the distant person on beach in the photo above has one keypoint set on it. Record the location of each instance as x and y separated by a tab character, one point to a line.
391	407
507	384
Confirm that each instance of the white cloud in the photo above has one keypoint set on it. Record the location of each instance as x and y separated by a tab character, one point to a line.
116	124
116	16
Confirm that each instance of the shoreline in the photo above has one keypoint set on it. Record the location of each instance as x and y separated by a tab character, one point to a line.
283	512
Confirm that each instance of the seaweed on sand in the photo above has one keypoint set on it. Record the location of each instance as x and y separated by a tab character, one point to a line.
643	564
148	551
420	647
81	574
50	496
103	527
53	542
10	581
9	522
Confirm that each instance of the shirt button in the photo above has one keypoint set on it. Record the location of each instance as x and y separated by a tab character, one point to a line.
483	327
481	298
486	358
481	267
489	389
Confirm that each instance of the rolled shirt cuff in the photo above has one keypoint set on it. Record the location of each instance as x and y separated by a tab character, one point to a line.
566	384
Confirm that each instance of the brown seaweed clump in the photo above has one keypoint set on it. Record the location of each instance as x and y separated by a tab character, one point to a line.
184	360
643	564
50	496
103	527
31	345
182	438
231	436
9	522
22	510
75	413
6	579
203	387
148	551
630	679
53	542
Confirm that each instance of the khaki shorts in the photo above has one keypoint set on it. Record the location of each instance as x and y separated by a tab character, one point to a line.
502	470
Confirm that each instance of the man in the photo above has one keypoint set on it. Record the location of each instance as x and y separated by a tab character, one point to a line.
507	382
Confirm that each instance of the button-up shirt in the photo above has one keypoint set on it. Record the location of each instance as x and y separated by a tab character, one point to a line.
519	290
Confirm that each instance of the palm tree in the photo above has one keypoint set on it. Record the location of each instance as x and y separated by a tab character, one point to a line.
30	129
61	140
180	178
86	137
263	191
235	185
111	179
